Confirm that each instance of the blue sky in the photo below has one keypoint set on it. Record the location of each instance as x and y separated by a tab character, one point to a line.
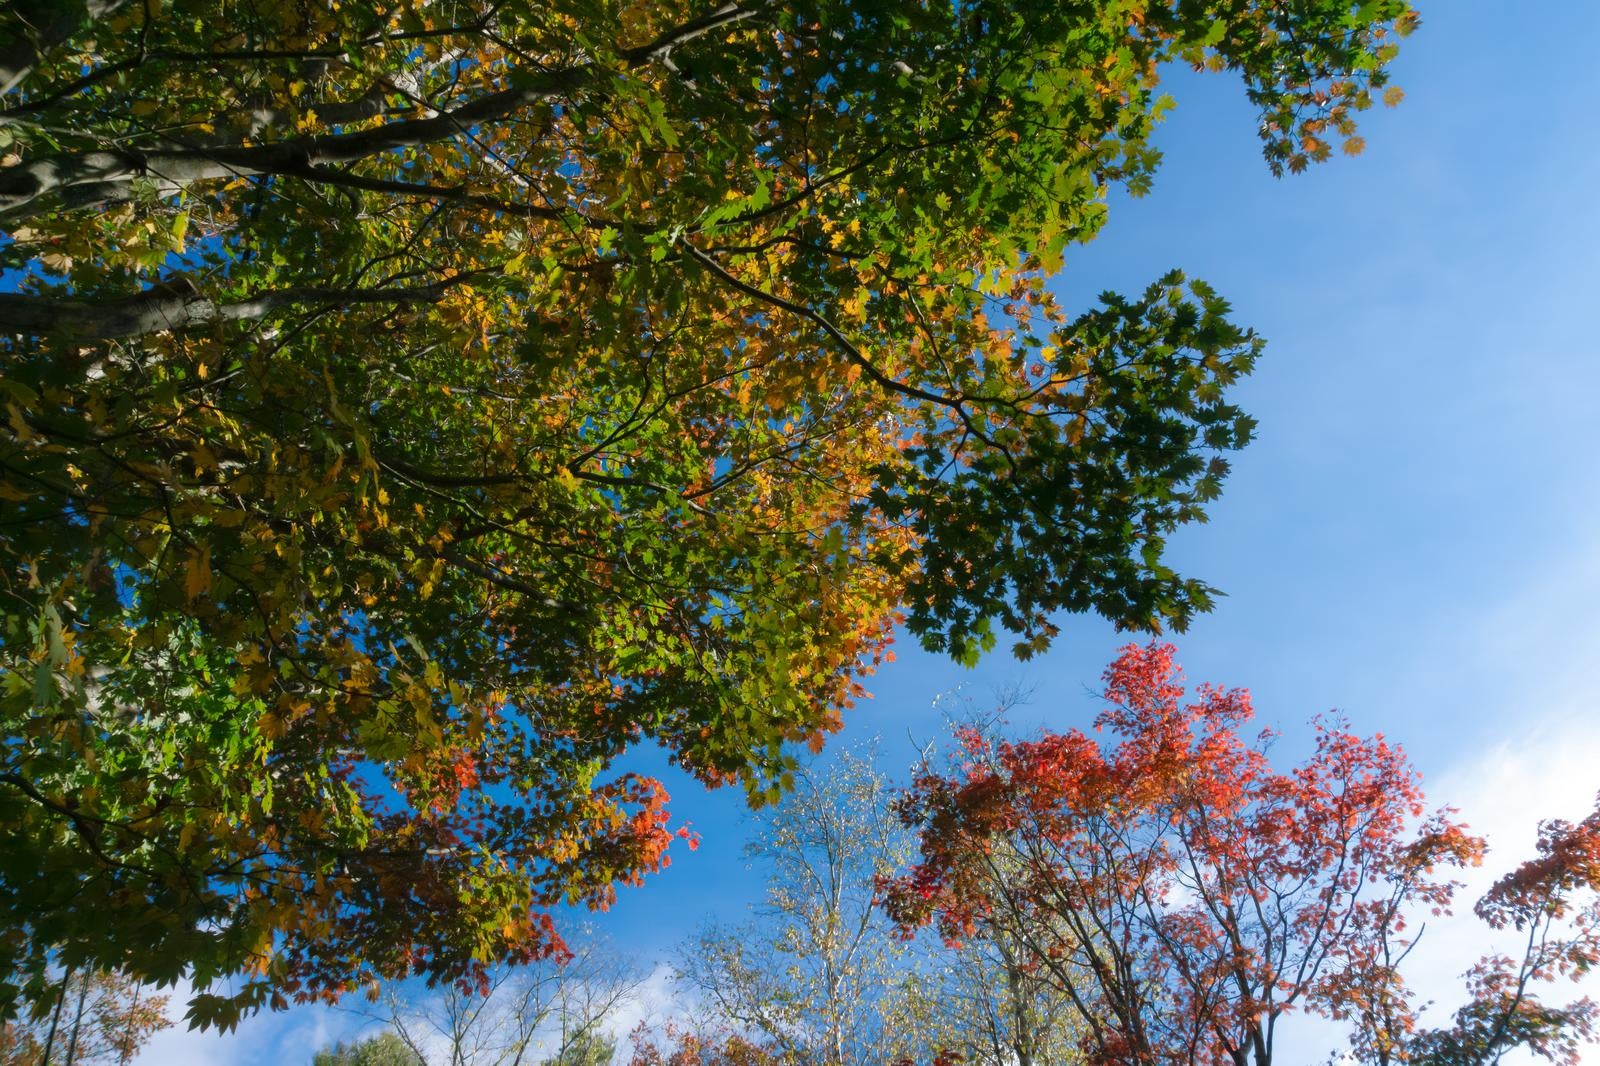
1411	539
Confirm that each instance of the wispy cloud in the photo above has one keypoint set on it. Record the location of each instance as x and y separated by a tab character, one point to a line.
266	1039
1535	649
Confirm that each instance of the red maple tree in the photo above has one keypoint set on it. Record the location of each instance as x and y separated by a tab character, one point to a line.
685	1045
1187	895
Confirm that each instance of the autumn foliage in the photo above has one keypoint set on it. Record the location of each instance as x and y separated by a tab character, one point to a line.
1188	895
1552	905
408	409
92	1019
684	1045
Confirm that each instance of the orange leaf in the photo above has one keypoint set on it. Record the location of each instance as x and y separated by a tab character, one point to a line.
197	576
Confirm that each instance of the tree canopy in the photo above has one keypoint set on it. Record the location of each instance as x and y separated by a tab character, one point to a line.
1187	896
407	408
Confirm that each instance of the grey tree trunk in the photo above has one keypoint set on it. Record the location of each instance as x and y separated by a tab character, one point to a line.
40	25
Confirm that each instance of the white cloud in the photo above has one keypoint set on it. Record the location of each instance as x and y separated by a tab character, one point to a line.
1548	769
290	1037
659	999
294	1036
1531	656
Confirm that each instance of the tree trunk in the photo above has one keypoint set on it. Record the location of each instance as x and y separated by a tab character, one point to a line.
55	1018
127	1045
89	177
77	1023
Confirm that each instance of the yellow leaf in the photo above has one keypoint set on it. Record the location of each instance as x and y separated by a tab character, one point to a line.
205	460
197	577
19	423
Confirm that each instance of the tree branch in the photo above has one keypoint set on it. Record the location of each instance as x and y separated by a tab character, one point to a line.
23	185
40	25
169	307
